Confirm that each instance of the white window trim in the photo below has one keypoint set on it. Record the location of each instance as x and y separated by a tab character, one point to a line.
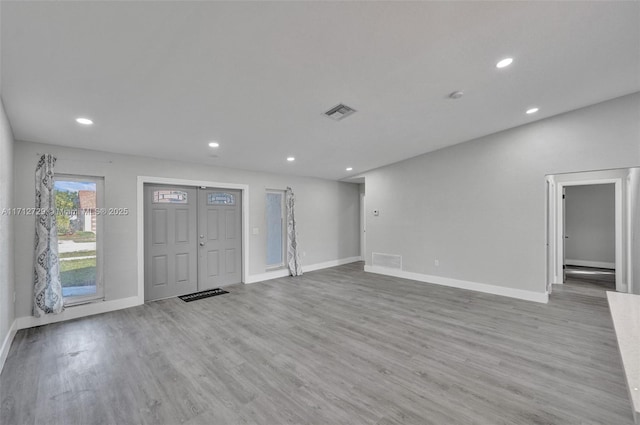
99	295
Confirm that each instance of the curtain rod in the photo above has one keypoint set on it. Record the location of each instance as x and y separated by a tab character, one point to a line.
38	154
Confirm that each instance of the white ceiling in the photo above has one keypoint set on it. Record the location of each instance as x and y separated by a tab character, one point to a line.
162	79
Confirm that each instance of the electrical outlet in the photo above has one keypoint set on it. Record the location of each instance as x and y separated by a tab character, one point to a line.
436	263
256	230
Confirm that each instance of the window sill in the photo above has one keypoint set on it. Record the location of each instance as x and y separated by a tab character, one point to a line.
82	301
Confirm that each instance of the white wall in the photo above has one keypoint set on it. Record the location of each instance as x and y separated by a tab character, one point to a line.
6	235
590	225
327	212
479	207
634	211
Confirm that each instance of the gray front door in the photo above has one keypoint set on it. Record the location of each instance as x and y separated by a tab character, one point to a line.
171	252
219	238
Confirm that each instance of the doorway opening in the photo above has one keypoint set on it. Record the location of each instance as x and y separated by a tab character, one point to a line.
191	236
192	239
589	235
575	253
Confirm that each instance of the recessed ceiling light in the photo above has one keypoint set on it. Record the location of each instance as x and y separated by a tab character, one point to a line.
84	121
290	158
532	111
214	144
349	168
504	63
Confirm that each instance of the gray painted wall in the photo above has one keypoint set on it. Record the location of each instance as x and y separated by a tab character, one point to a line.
6	226
479	207
590	223
327	211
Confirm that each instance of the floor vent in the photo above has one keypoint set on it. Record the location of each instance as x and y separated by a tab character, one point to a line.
388	261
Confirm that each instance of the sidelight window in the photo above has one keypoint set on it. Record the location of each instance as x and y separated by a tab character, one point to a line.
79	222
276	229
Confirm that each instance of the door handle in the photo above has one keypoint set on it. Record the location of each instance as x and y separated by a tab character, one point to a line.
201	244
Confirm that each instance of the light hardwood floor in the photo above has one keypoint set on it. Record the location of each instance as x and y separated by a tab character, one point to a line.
337	346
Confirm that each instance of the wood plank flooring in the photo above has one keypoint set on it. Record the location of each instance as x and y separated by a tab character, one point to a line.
336	346
604	278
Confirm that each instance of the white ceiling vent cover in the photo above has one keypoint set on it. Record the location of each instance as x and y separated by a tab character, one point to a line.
339	112
388	261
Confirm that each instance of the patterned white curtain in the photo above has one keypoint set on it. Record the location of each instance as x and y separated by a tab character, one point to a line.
47	287
293	258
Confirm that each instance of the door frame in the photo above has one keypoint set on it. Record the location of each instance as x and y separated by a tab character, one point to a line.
142	180
363	226
556	217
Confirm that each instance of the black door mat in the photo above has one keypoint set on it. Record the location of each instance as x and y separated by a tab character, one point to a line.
202	294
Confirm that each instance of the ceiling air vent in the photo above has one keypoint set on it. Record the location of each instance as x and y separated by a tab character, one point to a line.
339	112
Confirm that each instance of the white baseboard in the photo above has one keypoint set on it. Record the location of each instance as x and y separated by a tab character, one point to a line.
84	310
78	311
6	344
540	297
327	264
586	263
275	274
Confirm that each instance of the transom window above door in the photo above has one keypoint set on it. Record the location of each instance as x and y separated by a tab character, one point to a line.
170	197
221	198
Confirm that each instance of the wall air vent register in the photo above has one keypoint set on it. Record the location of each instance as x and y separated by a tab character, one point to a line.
339	112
